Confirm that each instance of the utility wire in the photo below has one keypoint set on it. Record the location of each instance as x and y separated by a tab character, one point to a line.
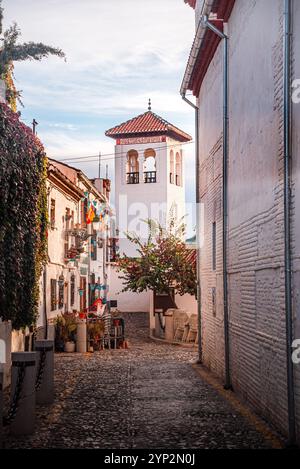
95	158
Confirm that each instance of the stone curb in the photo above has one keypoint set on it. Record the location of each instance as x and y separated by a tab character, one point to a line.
179	344
243	409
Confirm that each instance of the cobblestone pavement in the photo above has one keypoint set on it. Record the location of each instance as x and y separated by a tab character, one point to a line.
148	396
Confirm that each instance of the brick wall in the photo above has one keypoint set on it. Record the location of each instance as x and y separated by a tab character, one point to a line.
256	236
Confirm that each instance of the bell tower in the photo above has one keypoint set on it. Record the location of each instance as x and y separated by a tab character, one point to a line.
149	173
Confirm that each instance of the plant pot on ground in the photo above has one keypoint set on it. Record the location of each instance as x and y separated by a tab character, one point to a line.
95	332
65	332
69	347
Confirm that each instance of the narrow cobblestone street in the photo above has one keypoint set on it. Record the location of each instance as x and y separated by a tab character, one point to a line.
146	397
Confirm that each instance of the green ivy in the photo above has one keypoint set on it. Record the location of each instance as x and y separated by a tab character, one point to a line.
23	219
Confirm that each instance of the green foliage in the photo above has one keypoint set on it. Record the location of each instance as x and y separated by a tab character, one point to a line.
66	327
165	261
11	51
95	329
23	219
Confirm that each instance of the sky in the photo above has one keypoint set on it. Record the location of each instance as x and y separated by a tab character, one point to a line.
119	54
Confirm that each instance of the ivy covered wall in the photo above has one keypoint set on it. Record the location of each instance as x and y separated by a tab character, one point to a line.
23	219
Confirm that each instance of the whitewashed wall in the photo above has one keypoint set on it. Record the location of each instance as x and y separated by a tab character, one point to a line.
187	302
130	198
56	265
127	301
256	238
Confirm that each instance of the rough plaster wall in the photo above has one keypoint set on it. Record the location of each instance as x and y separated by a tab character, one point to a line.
256	242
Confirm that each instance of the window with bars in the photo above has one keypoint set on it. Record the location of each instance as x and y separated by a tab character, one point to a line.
84	211
72	290
61	295
67	226
94	247
52	214
83	294
92	289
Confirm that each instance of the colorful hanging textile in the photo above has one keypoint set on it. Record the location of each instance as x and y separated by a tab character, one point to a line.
90	215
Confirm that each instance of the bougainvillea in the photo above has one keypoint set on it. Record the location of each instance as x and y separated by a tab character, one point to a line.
164	263
23	219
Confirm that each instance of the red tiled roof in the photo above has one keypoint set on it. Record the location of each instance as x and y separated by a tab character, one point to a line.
191	256
210	43
147	124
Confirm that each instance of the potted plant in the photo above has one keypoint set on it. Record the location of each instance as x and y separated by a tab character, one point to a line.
65	328
95	331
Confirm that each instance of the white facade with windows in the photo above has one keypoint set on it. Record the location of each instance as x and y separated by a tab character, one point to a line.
77	250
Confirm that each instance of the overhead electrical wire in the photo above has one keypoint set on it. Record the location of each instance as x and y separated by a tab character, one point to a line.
95	158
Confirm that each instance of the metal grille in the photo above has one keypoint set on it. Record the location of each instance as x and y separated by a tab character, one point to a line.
133	178
150	177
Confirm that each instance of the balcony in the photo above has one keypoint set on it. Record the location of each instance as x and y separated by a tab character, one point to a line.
150	177
79	232
133	178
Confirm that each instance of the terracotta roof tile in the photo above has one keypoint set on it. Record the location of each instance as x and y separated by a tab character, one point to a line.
145	124
191	256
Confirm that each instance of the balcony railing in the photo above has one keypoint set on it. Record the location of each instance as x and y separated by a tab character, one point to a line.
133	178
150	177
79	232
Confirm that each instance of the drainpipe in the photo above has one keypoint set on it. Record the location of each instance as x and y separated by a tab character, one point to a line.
197	169
287	220
223	36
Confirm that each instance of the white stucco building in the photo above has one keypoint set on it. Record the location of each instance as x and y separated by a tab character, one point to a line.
149	180
76	272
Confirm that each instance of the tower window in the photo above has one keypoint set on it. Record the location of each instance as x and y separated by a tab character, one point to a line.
149	166
172	175
178	175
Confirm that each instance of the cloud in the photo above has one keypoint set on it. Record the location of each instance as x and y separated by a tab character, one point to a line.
119	53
